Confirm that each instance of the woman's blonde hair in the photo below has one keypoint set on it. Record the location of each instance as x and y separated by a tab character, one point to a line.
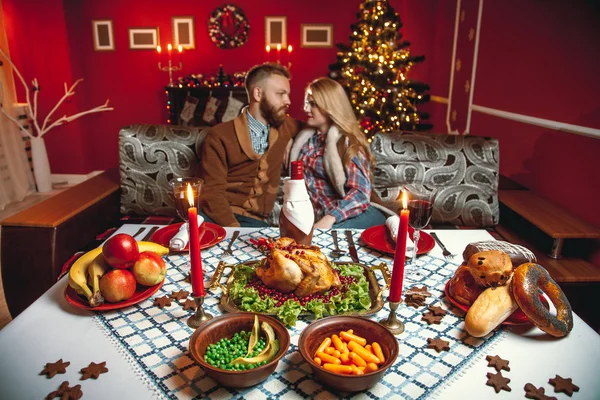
332	100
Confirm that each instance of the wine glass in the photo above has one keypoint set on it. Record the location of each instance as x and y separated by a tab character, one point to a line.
420	204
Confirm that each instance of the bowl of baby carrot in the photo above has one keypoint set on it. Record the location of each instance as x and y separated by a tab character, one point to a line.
348	353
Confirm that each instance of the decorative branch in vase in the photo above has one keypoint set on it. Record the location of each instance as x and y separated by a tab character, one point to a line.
41	167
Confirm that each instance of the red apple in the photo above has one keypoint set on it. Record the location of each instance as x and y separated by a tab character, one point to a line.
121	251
117	285
149	269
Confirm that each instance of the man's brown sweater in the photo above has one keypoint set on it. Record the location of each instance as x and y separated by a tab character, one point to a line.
236	179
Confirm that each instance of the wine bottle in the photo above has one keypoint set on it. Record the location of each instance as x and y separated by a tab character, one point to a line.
297	216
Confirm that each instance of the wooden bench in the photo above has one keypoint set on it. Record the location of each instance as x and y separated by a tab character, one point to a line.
36	242
555	222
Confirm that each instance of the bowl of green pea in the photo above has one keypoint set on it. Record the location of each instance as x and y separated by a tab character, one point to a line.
218	345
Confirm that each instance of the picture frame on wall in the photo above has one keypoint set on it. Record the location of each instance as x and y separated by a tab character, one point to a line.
276	31
143	38
104	39
316	35
183	32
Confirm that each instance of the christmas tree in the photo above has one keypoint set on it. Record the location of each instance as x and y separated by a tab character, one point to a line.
374	71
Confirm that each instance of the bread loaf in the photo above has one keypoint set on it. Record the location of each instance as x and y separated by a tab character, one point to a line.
491	308
518	254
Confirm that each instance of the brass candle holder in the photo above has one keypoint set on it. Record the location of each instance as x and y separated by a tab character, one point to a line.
170	68
392	323
201	316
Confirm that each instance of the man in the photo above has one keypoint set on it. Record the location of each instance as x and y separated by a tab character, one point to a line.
241	160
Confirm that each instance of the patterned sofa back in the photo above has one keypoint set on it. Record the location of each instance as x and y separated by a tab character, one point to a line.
464	170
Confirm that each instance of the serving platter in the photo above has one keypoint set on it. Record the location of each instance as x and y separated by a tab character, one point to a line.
375	290
141	293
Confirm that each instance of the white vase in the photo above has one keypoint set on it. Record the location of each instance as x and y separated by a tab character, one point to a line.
41	166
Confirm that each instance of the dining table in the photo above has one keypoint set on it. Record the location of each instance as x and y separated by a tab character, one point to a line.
145	347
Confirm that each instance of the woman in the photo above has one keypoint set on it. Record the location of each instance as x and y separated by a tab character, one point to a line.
337	160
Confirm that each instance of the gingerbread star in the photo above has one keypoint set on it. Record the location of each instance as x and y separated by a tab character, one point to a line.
52	369
438	344
497	363
437	310
422	290
431	318
531	392
93	370
64	387
498	382
189	304
75	393
563	385
66	393
179	295
162	302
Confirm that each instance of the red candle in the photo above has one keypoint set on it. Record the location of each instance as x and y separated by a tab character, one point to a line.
268	48
180	49
195	257
279	53
158	50
400	254
289	63
169	48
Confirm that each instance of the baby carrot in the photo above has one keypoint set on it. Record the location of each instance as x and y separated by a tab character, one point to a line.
357	360
351	337
337	342
336	353
378	352
324	344
317	360
340	369
363	353
358	372
371	367
344	358
329	359
370	348
329	350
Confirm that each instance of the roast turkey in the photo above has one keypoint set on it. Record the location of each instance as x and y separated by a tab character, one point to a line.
292	267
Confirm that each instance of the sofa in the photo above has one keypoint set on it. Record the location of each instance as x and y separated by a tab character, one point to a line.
463	169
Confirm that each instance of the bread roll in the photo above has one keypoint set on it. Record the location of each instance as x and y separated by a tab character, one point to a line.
490	309
490	268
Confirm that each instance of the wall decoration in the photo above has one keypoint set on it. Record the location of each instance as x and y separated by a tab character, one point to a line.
183	32
316	35
103	35
276	31
143	38
228	27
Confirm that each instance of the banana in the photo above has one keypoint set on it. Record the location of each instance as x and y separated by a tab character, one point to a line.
77	273
155	247
97	268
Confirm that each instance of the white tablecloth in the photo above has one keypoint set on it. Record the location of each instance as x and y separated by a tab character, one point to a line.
51	329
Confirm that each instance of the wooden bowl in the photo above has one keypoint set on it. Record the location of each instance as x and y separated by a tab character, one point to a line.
313	335
225	326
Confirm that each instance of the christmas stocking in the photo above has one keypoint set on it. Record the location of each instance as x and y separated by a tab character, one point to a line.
211	109
187	114
233	108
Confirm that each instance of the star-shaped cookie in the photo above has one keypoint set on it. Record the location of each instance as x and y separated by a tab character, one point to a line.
437	310
93	370
497	363
162	302
562	385
498	382
531	392
66	393
422	291
52	369
179	295
189	304
438	344
431	318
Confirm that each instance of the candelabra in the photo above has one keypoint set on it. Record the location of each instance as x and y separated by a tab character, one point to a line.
170	68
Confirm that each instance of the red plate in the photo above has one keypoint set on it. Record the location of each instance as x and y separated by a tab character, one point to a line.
213	234
379	238
516	318
141	294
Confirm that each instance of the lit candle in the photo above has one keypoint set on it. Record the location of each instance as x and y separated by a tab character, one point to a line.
279	53
169	48
180	49
268	48
290	56
400	254
158	50
195	257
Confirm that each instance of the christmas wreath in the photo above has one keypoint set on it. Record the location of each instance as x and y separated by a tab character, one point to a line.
228	27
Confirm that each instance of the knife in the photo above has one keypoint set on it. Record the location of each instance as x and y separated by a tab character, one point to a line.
352	247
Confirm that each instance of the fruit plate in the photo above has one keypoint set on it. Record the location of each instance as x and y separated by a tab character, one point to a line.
378	237
213	234
141	294
516	318
375	290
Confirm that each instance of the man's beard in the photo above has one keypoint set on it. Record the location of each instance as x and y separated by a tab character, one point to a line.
274	116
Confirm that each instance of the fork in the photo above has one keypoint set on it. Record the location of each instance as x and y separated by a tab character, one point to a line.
445	252
228	251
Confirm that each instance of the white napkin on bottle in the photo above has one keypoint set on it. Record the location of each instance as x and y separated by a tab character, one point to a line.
297	206
181	238
392	223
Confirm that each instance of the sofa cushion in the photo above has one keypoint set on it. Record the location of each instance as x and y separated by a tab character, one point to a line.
464	170
149	157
